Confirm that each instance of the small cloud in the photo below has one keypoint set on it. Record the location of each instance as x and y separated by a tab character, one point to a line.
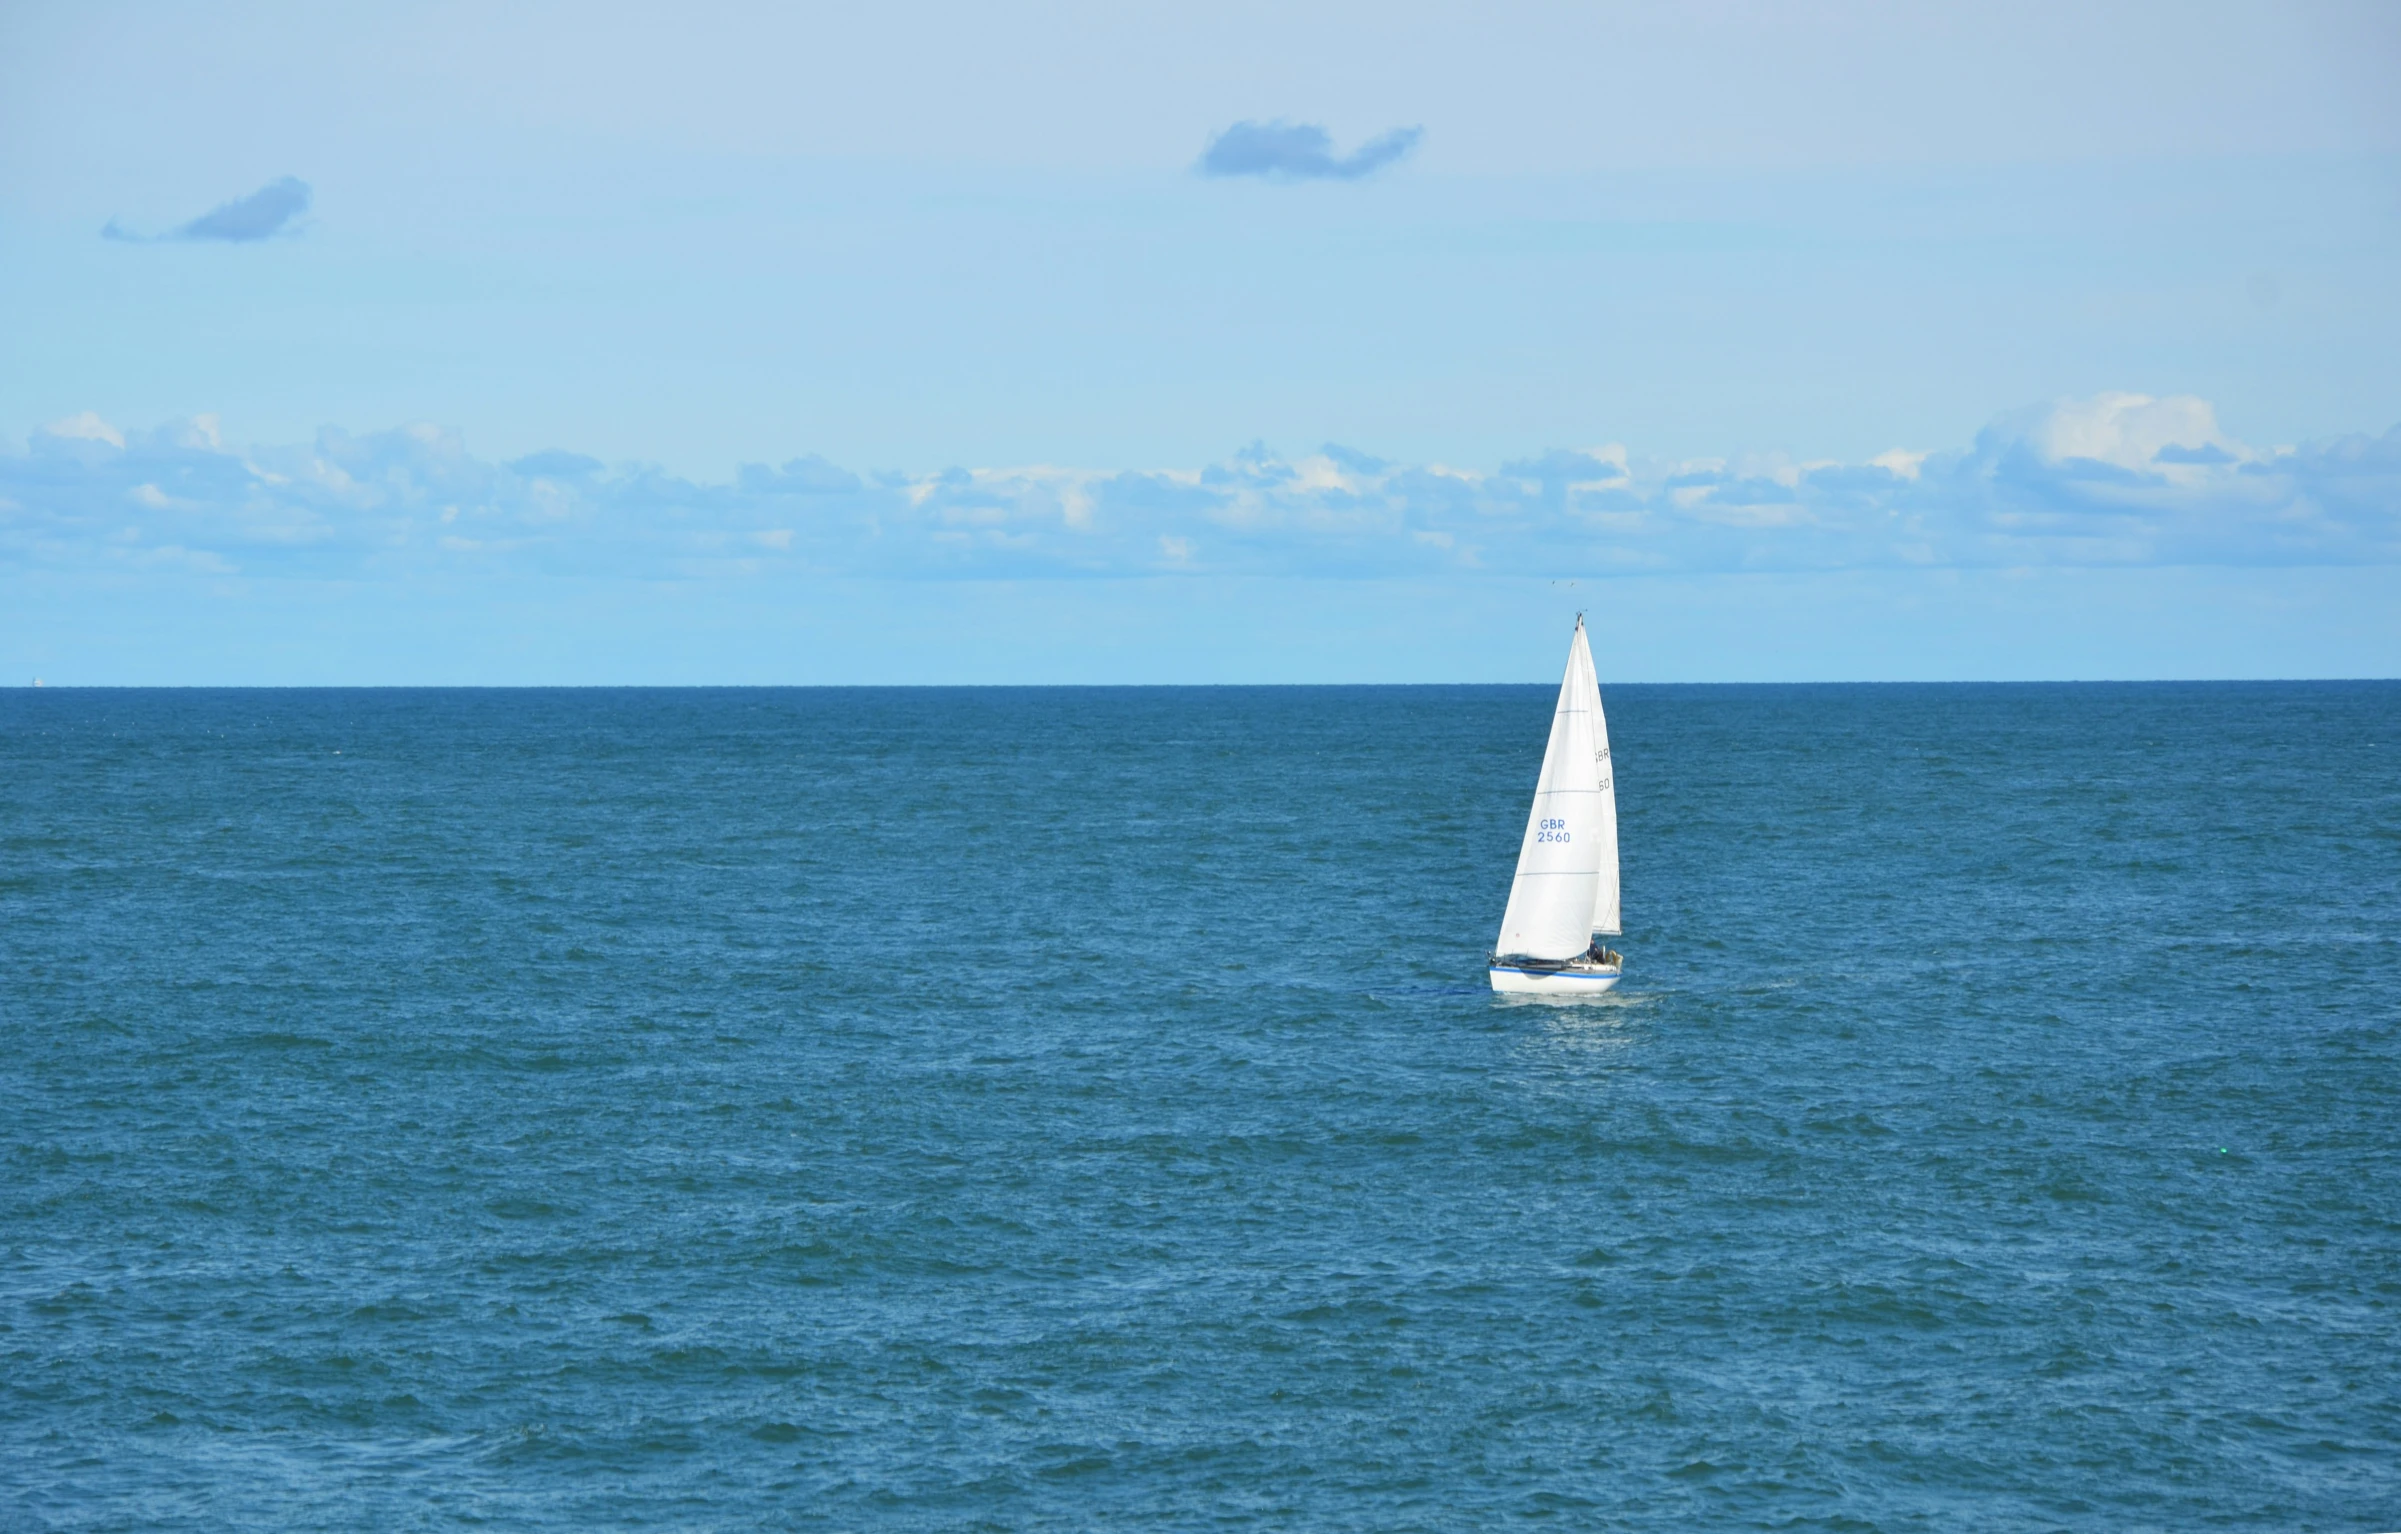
2130	431
200	431
1901	463
85	426
1075	506
2206	453
1285	151
1352	459
267	211
1560	466
555	464
802	476
1322	474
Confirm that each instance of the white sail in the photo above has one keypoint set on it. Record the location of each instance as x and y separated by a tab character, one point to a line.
1567	867
1604	893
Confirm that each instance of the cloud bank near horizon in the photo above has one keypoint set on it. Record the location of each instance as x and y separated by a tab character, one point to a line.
2118	480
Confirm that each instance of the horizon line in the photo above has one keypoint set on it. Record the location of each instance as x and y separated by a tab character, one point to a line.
2130	681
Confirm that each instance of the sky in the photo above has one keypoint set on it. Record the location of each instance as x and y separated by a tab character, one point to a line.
1305	342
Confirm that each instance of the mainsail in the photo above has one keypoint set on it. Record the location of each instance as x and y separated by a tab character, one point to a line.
1566	887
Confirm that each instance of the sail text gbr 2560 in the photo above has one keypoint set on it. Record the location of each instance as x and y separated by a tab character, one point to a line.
1565	896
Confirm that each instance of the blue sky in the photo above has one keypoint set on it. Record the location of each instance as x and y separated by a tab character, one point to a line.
748	343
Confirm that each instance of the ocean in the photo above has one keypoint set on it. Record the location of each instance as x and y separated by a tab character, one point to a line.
1084	1109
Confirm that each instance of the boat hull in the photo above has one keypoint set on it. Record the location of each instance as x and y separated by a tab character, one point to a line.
1567	981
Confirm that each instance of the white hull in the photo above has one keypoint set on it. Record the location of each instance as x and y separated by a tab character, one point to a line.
1573	980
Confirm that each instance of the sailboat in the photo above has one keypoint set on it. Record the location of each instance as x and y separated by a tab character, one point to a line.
1564	900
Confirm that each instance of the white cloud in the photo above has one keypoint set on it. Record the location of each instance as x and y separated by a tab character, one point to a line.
1075	506
2130	431
85	426
1318	472
2114	480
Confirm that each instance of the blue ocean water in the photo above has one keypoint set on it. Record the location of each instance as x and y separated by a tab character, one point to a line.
1084	1109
